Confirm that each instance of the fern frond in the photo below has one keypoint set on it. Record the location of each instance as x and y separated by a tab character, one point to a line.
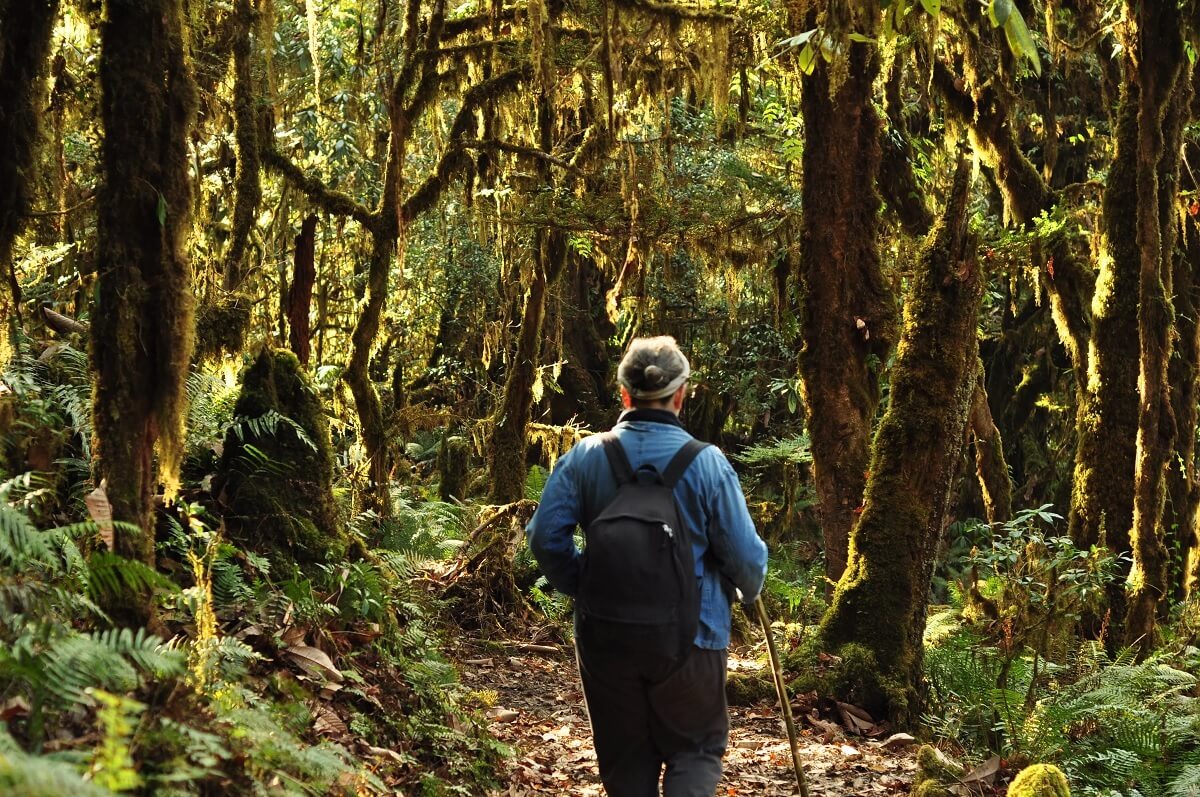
269	424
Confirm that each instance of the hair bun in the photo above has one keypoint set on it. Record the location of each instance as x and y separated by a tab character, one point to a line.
654	374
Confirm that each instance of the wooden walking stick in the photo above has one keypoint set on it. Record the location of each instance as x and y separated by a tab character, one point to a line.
781	690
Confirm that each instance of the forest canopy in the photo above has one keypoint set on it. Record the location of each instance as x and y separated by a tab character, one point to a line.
303	300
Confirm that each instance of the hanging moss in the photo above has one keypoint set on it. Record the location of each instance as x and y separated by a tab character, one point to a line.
276	483
1040	780
221	326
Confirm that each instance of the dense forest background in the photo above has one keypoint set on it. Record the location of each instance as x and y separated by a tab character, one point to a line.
303	298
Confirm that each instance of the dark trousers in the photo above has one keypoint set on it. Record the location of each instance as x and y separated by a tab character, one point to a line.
651	711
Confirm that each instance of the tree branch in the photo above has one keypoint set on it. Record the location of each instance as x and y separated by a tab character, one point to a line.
335	202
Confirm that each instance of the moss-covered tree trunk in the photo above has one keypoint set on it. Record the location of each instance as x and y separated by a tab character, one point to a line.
877	615
1106	419
248	195
1183	485
991	466
25	28
1162	83
848	313
142	320
508	445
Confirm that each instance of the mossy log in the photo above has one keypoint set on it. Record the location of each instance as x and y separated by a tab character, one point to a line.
1040	780
275	478
877	614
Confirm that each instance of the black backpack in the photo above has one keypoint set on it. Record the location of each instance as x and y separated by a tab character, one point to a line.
638	590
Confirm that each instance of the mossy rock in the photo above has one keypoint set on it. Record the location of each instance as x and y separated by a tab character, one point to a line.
748	688
1040	780
936	773
275	477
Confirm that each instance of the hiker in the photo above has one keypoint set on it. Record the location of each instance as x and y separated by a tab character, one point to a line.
654	680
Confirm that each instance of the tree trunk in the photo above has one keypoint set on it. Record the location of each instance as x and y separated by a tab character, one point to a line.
877	615
1107	417
142	321
299	299
991	467
357	376
25	31
1159	73
848	316
1183	487
248	194
508	444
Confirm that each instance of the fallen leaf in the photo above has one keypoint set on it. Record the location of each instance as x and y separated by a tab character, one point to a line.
314	662
984	773
326	722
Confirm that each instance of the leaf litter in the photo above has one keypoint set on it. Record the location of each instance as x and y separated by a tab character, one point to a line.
539	710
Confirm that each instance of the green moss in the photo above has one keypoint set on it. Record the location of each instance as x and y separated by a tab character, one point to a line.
221	325
748	688
1040	780
276	474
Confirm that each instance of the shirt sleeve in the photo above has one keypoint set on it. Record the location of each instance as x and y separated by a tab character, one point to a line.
741	554
551	530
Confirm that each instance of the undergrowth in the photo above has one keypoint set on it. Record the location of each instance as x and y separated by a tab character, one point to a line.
1006	676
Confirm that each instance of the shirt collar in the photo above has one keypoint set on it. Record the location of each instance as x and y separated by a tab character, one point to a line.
651	415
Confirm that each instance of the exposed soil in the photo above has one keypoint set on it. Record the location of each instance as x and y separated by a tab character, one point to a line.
539	710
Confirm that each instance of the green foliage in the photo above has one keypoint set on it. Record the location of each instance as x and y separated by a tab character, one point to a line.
23	775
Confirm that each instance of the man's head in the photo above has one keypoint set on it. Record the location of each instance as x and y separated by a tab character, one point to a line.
653	374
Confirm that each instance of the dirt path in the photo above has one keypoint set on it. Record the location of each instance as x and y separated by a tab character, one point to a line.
539	709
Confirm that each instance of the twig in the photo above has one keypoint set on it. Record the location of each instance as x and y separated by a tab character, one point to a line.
41	214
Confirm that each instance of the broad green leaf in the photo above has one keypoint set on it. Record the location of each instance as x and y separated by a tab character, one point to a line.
932	7
160	211
999	11
808	59
861	39
1019	40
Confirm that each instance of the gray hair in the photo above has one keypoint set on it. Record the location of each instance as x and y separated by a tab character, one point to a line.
653	368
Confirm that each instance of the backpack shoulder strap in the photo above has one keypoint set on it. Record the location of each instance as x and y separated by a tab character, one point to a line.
617	458
682	461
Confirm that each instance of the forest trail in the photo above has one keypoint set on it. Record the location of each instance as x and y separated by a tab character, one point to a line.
539	710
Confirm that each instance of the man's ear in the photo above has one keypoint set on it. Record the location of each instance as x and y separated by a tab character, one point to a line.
677	399
626	399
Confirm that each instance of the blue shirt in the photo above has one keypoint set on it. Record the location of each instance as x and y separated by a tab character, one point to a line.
726	546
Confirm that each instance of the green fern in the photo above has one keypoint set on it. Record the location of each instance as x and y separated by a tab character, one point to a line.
23	775
269	424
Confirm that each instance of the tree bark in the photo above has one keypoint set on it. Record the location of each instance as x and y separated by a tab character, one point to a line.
991	467
1183	487
1107	416
142	321
877	616
248	193
1159	72
299	299
25	31
848	315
